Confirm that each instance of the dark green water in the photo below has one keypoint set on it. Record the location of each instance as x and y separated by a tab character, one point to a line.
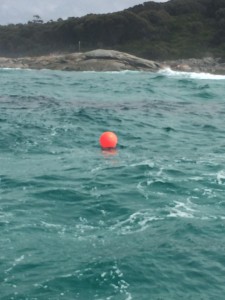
144	222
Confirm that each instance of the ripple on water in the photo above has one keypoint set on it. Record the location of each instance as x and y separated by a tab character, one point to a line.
81	223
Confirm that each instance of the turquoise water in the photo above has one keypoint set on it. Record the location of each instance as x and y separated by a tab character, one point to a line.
146	221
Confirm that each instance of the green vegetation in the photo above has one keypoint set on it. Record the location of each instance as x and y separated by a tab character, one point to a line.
171	30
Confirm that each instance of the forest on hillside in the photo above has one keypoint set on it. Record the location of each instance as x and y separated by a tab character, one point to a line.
170	30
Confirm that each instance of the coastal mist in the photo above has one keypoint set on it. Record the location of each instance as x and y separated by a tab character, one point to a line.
143	221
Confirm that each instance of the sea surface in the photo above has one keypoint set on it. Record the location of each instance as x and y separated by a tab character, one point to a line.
145	221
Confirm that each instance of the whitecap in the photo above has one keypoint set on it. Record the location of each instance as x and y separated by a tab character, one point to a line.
11	69
141	189
192	75
182	210
137	222
50	225
196	178
147	162
17	261
96	169
120	285
119	72
5	217
221	177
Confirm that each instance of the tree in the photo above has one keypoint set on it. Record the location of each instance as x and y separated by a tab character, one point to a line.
37	19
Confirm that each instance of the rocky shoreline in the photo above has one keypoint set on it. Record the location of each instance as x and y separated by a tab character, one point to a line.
111	60
204	65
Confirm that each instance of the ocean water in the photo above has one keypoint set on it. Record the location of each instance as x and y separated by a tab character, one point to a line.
145	221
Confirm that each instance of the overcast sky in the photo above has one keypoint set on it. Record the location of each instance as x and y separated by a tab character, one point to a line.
21	11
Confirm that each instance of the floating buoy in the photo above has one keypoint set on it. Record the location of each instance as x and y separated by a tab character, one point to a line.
108	140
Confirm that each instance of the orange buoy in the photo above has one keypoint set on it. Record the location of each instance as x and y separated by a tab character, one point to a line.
108	140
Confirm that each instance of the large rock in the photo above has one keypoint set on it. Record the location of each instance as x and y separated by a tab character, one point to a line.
111	60
96	60
205	64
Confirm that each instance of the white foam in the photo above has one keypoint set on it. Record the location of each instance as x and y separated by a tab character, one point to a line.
178	213
16	69
182	210
5	217
196	178
122	285
17	261
147	162
142	190
121	72
137	222
10	68
192	75
50	225
221	177
96	169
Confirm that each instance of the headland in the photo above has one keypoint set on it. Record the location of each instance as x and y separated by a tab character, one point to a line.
111	60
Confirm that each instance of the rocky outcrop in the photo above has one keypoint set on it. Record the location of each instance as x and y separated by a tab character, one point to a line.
96	60
205	65
111	60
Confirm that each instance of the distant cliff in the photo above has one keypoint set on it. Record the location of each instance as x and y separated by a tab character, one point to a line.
170	30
